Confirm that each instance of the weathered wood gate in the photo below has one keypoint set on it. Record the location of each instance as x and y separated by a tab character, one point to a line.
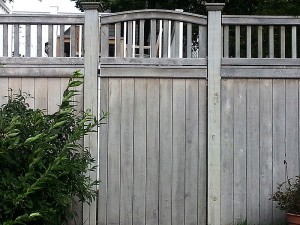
153	148
203	111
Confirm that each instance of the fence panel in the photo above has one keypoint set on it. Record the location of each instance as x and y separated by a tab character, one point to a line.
259	133
156	152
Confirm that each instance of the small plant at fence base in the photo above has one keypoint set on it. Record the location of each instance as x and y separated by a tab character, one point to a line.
43	165
288	196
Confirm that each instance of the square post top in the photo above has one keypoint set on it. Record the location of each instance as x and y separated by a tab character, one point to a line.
214	6
91	5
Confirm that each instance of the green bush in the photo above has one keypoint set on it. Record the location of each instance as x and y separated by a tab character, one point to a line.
42	163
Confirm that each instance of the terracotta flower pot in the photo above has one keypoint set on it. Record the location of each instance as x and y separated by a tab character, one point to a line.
293	219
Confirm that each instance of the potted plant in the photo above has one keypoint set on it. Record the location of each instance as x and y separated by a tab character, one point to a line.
288	198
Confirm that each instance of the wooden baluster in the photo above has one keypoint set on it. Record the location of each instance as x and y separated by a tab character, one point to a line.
39	41
237	42
294	42
226	41
141	38
62	41
271	41
16	40
282	42
260	42
249	40
28	41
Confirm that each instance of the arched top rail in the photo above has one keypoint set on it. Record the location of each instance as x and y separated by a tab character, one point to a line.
154	14
261	20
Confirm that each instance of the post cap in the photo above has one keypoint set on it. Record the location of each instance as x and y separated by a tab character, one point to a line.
91	5
214	6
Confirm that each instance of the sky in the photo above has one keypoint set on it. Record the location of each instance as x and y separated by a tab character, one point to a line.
44	6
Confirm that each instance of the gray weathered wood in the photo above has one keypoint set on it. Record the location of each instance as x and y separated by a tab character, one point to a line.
261	72
41	94
260	42
294	42
91	62
157	61
249	39
61	41
152	165
126	155
15	85
113	160
189	41
5	40
3	90
141	38
214	121
291	127
165	143
226	41
202	166
179	150
28	41
271	41
203	42
237	41
154	14
103	153
118	45
54	97
191	151
105	40
153	38
279	148
259	20
140	151
28	87
50	40
260	62
227	151
266	157
176	46
240	152
130	40
282	41
166	38
252	130
150	72
16	40
39	38
41	19
73	40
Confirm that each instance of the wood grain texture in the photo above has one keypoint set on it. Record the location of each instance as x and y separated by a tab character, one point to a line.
114	151
179	150
253	154
240	151
227	166
191	151
165	144
202	163
279	148
4	84
126	155
266	150
103	152
140	151
152	165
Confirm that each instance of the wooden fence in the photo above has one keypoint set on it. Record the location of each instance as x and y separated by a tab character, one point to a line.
203	110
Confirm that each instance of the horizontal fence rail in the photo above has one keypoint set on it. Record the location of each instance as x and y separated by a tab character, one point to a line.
261	37
41	35
153	34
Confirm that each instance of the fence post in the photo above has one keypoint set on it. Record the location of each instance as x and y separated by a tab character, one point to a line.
91	62
214	51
